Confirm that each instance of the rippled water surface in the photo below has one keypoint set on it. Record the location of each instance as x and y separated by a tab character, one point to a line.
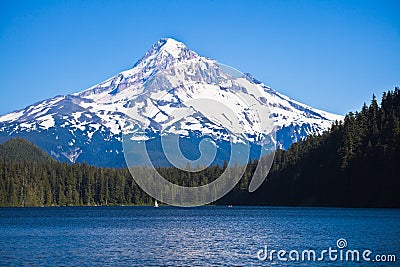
147	236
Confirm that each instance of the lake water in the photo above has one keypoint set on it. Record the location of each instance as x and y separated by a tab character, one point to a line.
205	236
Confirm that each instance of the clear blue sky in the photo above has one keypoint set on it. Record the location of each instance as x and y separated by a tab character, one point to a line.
332	55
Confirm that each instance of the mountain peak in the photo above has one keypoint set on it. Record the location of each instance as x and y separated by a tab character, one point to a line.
170	45
166	51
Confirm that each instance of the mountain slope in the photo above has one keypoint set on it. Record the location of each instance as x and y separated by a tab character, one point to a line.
21	150
87	126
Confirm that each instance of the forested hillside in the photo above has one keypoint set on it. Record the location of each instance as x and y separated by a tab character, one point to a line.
21	150
355	164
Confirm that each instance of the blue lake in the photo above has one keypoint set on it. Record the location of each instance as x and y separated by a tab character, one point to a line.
205	236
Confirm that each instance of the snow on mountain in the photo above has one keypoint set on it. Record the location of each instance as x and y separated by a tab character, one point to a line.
87	126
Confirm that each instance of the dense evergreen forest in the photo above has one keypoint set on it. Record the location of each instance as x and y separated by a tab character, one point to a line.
354	164
34	179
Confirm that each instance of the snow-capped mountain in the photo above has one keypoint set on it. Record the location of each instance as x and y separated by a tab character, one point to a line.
87	126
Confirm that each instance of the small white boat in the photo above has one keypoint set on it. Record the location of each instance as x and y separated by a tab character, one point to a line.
155	203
